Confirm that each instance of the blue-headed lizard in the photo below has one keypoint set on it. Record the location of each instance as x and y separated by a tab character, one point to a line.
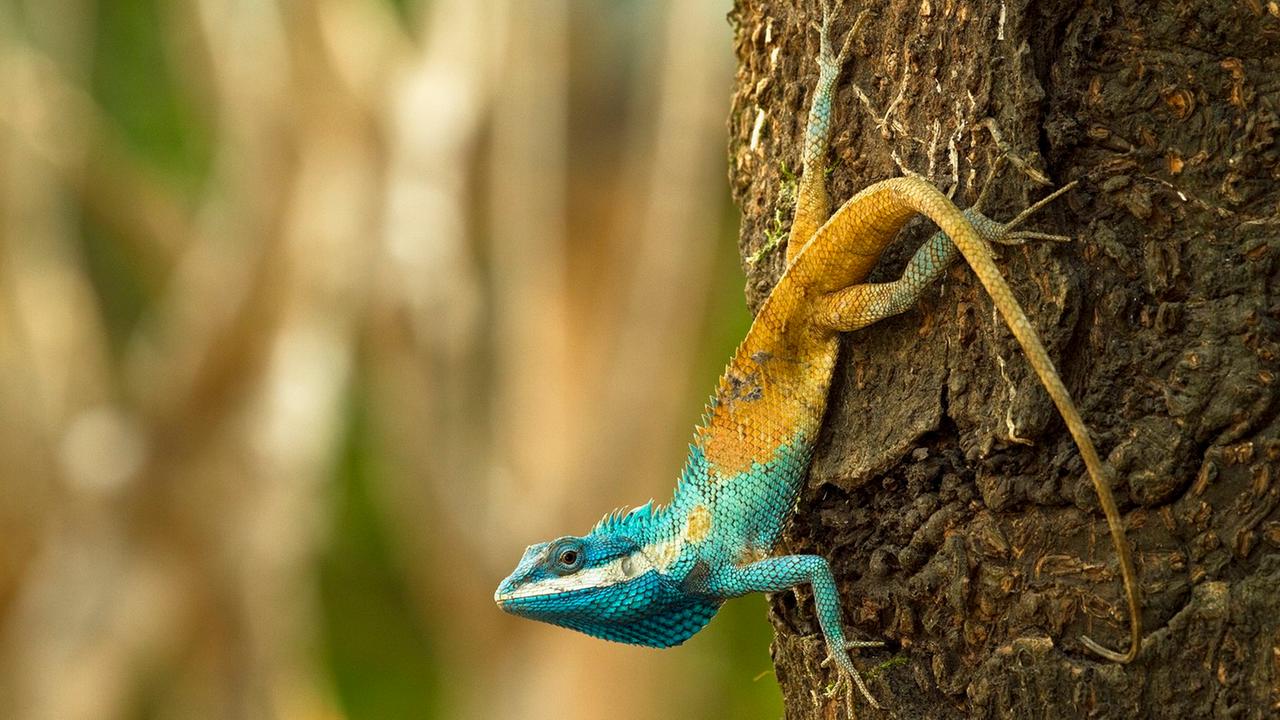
657	574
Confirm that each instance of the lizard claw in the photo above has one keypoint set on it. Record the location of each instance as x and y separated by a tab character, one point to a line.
851	644
846	672
1021	237
1003	233
1035	207
826	57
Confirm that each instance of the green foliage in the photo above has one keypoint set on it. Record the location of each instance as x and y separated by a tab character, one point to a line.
133	83
783	210
743	633
383	662
123	292
888	665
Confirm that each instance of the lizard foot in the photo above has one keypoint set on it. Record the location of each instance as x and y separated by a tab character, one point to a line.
1032	210
847	673
829	60
1005	233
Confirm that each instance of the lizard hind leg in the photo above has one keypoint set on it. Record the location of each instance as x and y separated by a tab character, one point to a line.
864	304
813	205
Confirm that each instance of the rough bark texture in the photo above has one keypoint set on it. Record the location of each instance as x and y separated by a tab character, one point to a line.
946	492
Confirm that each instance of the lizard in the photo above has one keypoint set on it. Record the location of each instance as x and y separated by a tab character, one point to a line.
656	575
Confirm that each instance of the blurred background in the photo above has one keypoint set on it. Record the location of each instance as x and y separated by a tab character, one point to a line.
315	313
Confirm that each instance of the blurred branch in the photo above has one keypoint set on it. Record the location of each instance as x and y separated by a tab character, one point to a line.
239	373
677	163
62	127
534	390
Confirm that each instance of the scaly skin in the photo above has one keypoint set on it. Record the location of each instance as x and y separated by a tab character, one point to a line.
655	576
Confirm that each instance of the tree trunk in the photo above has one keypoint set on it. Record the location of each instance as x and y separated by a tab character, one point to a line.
946	492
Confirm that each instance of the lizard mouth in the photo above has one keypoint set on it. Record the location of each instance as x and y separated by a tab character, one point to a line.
499	597
507	592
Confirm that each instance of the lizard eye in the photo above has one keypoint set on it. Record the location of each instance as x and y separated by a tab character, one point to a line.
568	558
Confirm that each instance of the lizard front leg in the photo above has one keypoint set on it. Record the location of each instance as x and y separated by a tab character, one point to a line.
780	573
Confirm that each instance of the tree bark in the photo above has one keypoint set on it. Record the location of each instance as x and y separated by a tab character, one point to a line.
946	492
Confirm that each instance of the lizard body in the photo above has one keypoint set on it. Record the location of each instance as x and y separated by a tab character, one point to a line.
657	574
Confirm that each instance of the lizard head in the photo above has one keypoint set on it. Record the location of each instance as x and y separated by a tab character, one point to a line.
607	584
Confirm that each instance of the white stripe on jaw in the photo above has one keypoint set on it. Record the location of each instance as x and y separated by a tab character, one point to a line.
611	573
658	556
